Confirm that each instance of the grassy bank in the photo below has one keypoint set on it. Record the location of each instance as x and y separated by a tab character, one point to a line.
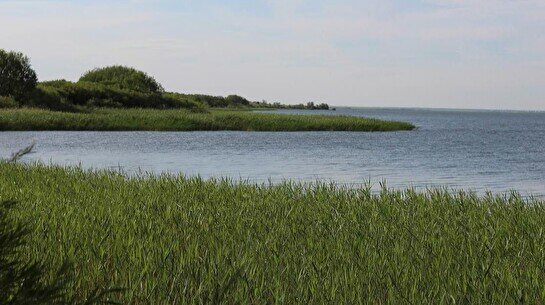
184	120
174	240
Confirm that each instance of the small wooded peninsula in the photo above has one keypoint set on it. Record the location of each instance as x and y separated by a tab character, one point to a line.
124	98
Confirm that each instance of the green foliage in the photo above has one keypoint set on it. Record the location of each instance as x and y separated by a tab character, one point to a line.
187	101
178	240
89	94
17	78
8	102
50	98
212	101
123	78
312	106
237	100
322	106
208	100
25	282
60	94
21	282
57	94
276	105
112	87
184	120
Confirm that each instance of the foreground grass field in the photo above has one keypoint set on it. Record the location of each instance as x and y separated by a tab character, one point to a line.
175	240
184	120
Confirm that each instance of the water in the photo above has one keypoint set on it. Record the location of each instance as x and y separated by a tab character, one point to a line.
478	150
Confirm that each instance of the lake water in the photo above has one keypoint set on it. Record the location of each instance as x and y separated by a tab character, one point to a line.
478	150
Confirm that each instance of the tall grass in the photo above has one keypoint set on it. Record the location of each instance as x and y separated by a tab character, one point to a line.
184	120
177	240
23	281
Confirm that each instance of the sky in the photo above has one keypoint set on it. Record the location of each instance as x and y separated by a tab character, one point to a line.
486	54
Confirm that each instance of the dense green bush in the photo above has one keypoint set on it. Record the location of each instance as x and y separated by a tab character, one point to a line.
48	97
186	101
236	100
17	78
214	101
8	102
123	78
211	101
60	94
99	95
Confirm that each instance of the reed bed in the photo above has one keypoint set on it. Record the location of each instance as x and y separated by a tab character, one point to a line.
185	120
185	240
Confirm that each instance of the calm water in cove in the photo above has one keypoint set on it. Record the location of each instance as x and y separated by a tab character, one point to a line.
478	150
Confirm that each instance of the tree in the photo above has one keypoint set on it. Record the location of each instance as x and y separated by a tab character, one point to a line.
323	106
125	78
17	78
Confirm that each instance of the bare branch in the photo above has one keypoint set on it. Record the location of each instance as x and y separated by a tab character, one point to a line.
19	154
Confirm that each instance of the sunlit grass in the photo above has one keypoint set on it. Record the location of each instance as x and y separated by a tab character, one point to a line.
184	120
176	240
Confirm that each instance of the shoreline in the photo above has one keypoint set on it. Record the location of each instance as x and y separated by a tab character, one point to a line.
32	119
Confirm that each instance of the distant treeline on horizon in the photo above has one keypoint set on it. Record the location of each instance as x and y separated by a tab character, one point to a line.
113	87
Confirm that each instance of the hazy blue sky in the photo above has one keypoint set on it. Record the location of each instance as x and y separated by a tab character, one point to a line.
423	53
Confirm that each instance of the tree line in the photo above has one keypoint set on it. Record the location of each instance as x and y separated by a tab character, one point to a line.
114	87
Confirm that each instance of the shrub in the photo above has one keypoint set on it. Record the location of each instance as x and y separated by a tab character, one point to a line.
56	83
48	97
219	101
58	94
211	101
17	78
98	95
236	100
124	78
186	101
8	102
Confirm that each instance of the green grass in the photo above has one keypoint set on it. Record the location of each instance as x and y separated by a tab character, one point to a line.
176	240
184	120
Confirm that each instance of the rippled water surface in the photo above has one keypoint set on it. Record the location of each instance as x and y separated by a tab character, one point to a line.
478	150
